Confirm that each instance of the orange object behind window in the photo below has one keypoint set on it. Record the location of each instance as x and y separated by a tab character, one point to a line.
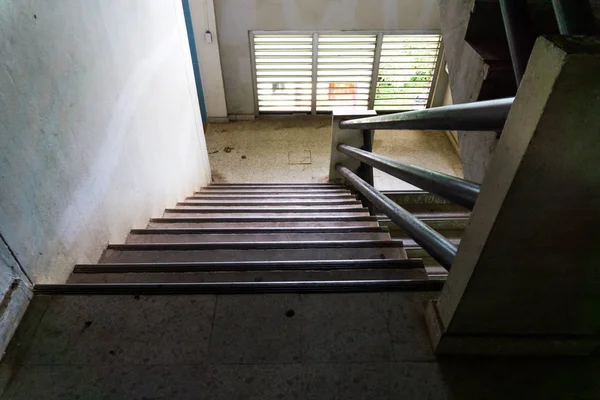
342	91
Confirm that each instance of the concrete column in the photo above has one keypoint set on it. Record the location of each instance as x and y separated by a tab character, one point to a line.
351	137
526	279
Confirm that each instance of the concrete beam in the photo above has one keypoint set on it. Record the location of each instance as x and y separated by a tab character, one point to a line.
526	278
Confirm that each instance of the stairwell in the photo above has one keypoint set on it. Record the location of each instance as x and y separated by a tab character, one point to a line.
230	233
260	280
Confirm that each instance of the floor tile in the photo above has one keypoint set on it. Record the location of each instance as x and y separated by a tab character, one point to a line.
410	338
418	380
276	150
347	381
260	382
344	327
256	329
108	382
100	330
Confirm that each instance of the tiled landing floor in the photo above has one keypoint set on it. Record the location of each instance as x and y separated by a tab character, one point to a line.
329	346
296	149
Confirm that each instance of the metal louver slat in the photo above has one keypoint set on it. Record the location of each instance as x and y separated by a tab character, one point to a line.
406	72
344	70
283	72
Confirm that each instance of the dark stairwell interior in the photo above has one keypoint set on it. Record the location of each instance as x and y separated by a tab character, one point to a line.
309	290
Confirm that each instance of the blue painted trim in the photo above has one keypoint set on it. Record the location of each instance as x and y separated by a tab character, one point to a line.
196	65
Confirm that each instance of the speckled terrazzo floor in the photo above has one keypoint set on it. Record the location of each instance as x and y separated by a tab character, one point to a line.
296	149
371	346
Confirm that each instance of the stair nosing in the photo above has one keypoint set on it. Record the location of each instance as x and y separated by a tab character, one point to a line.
274	245
431	216
275	183
275	196
191	210
238	266
269	203
236	287
274	191
363	218
216	186
259	230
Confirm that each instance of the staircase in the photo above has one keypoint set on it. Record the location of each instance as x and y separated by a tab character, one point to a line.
445	217
238	285
240	233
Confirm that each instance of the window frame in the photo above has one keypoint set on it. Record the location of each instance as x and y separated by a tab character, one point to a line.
375	72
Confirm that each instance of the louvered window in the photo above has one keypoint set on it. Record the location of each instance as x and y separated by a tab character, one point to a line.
406	69
344	70
317	72
284	72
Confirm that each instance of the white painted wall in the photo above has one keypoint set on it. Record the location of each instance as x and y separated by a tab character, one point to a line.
100	126
236	17
209	58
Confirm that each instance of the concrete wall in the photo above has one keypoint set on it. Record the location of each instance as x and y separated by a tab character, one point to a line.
467	72
236	17
203	20
452	135
99	126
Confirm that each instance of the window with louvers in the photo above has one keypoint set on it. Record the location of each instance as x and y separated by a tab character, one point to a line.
317	72
344	70
283	72
406	70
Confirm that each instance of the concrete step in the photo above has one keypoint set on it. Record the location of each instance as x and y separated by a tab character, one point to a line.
433	268
229	266
275	185
273	197
455	221
309	270
264	213
227	206
175	290
268	192
410	243
253	251
256	234
255	221
268	210
422	202
251	276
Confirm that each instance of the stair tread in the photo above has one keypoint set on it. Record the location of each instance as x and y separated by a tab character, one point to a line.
260	245
270	210
238	287
264	223
269	191
269	219
433	215
259	237
252	276
165	254
268	207
247	265
287	204
295	196
335	229
275	183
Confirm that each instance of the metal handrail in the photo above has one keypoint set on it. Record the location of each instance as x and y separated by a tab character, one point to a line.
487	115
440	248
451	188
574	17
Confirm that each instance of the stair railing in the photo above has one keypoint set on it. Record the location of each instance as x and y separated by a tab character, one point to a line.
477	116
487	115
